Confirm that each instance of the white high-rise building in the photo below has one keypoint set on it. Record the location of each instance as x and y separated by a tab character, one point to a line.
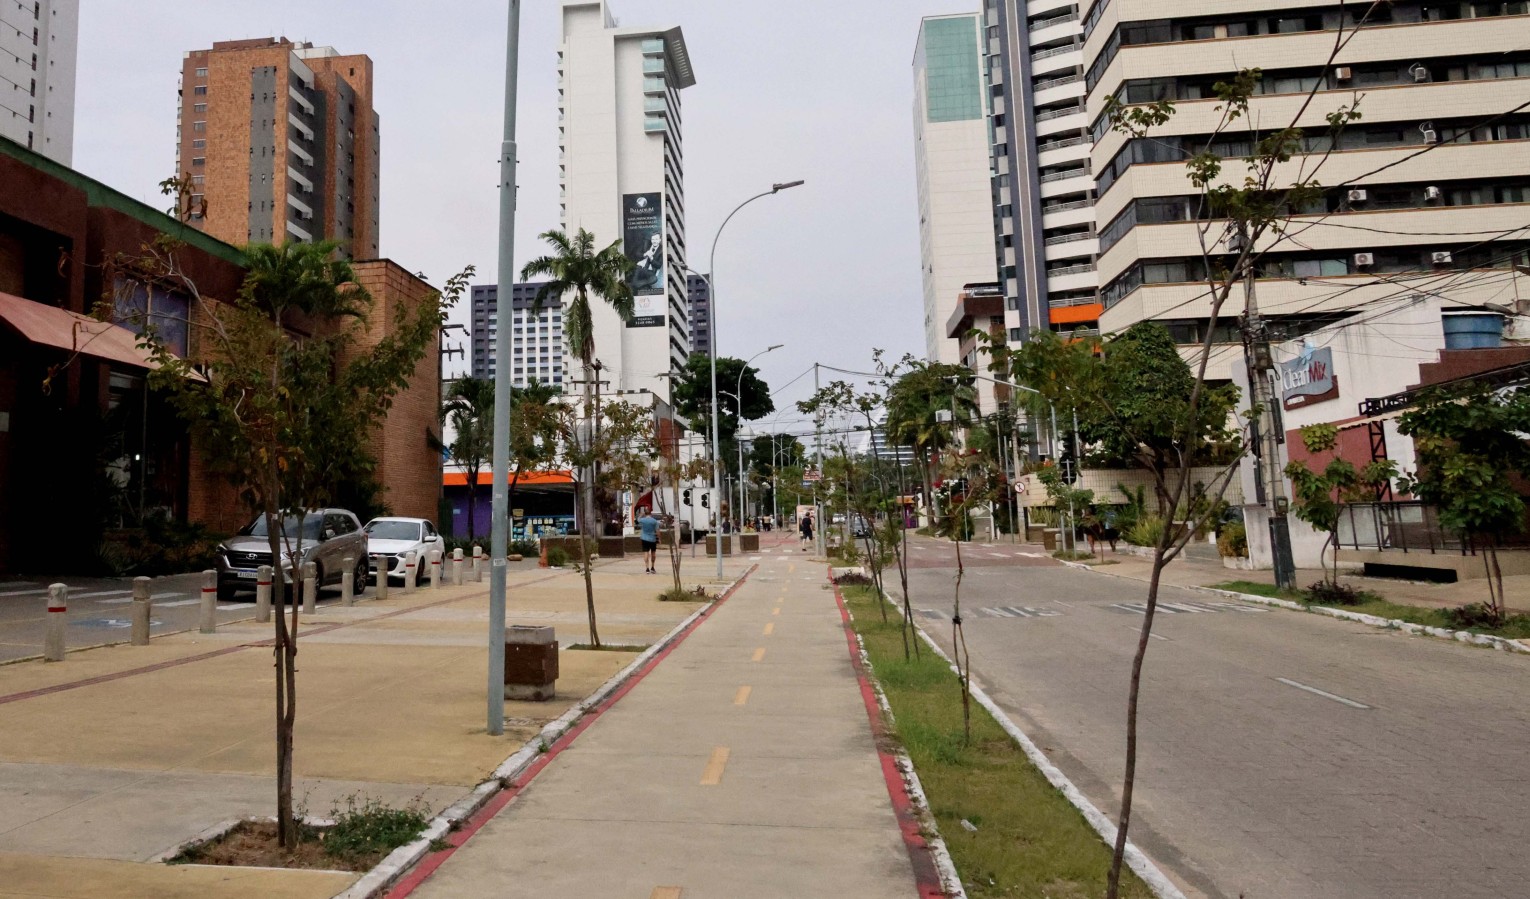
39	43
951	147
622	174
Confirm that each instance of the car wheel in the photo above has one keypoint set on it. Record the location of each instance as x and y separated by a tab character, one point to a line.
363	574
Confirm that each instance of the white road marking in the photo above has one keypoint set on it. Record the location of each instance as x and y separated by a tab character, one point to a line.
24	593
997	556
1179	608
99	593
175	605
998	613
1122	605
1031	555
1323	693
1137	630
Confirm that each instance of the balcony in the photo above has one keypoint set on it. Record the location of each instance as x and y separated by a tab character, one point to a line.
1040	24
1051	114
1064	207
1056	82
1079	269
1060	144
1039	55
652	66
1069	238
1065	174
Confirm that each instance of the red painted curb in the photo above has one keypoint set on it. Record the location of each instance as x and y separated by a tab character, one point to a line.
476	821
926	876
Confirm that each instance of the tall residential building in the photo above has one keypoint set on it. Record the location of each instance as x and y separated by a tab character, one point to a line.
287	131
951	150
39	43
1424	194
1043	189
622	174
699	294
537	339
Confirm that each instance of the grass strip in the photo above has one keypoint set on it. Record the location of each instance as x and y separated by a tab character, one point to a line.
1516	627
1030	841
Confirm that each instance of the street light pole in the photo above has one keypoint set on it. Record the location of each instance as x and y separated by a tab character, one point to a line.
717	489
738	397
499	538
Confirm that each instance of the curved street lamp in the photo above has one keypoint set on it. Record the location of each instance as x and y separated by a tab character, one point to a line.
712	352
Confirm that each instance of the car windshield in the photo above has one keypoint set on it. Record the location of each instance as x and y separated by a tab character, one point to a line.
308	529
393	530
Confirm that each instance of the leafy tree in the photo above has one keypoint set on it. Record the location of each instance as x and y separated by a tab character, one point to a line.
1471	446
693	393
471	411
285	419
917	395
575	271
1318	496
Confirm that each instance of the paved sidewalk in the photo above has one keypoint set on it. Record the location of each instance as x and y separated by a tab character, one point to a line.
742	766
116	755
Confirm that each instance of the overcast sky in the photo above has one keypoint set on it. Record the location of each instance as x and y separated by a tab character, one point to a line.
819	90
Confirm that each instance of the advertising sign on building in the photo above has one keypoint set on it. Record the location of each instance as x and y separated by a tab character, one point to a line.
1309	378
643	243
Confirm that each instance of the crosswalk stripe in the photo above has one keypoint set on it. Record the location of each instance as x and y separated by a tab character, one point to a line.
100	593
1180	607
998	613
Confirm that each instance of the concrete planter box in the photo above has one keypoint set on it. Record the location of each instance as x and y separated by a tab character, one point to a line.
712	545
751	543
1238	563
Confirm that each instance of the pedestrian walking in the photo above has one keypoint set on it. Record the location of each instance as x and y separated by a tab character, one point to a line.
648	527
806	531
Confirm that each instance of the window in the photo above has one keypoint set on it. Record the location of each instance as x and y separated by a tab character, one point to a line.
199	107
199	160
201	73
199	144
198	126
200	90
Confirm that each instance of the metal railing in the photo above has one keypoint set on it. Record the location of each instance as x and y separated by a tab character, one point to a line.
1407	526
1039	24
1082	172
1064	207
1060	144
1051	114
1056	82
1079	269
1069	238
1039	55
1060	303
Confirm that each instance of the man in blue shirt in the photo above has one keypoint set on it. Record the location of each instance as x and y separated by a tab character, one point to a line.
649	528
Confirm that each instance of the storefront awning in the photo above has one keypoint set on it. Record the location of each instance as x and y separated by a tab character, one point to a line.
72	332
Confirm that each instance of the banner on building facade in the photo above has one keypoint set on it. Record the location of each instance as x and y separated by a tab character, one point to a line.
1309	378
643	243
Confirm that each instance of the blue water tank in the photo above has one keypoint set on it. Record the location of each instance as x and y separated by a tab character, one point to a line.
1473	331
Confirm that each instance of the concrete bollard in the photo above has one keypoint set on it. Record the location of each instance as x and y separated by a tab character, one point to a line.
478	565
348	582
58	619
382	576
310	588
435	569
263	593
143	609
410	561
457	567
209	618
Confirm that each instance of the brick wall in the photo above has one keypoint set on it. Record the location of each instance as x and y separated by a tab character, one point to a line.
408	467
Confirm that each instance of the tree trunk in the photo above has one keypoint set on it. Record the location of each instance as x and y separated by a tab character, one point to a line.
959	650
587	567
1129	782
472	498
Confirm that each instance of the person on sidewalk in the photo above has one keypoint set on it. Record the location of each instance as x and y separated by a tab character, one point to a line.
806	530
648	527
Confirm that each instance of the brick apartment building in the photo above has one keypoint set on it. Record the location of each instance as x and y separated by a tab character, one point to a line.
75	415
281	142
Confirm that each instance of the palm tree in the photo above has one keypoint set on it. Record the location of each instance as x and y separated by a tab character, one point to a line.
575	270
471	409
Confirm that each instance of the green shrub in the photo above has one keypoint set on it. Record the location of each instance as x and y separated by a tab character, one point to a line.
526	548
557	557
162	546
1232	543
1476	615
366	828
1324	593
1147	531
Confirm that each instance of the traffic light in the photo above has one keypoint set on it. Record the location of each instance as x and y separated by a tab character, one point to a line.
706	500
686	497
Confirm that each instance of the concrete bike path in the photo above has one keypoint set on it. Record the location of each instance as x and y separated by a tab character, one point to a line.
744	765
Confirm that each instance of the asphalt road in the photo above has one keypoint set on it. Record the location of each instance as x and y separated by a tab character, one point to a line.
1282	755
99	610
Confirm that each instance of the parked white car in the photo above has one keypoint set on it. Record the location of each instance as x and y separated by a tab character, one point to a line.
390	540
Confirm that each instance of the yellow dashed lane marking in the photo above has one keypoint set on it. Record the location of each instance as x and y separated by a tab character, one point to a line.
775	611
712	776
770	628
759	654
791	569
665	893
742	696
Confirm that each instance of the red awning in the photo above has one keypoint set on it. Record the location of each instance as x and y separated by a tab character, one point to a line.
72	332
529	479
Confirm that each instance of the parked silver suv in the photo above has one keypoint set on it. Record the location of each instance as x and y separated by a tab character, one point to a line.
325	537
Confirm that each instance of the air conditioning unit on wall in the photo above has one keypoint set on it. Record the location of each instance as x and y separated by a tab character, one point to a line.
1442	257
1365	260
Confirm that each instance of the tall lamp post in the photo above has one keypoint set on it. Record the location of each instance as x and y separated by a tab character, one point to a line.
738	397
712	352
499	539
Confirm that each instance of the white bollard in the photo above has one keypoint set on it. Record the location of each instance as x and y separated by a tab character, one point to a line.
457	567
310	588
209	602
435	569
383	564
348	582
263	593
410	561
478	565
58	618
143	606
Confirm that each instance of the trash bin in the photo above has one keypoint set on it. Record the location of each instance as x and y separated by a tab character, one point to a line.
531	663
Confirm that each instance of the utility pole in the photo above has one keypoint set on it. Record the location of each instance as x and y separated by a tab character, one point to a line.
818	538
1260	363
499	542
